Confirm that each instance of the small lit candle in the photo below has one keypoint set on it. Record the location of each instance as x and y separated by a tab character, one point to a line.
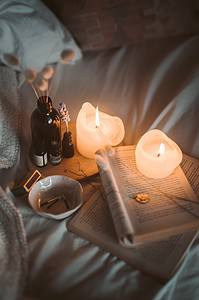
96	129
157	155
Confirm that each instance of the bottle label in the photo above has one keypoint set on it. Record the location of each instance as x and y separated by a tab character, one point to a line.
55	159
40	160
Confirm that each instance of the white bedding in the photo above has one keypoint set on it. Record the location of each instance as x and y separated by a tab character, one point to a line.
155	85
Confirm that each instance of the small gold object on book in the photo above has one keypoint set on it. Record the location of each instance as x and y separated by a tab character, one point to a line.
142	198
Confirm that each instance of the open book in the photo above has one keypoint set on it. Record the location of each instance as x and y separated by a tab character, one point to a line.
172	207
160	258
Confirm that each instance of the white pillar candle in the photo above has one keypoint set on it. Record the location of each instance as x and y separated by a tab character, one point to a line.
94	131
157	155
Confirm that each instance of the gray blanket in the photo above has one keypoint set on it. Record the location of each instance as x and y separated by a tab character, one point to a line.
13	250
9	117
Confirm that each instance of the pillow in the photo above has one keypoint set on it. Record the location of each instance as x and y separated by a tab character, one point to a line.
31	36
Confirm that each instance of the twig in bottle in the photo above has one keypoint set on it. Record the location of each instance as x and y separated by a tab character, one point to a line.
36	94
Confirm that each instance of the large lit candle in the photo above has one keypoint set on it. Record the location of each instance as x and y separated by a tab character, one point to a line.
157	155
95	129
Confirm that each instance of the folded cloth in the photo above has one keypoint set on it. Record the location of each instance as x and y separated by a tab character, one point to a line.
9	117
13	250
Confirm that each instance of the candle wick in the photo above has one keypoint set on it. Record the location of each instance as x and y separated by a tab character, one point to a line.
161	150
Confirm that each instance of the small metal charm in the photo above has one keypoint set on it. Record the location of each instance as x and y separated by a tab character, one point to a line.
142	198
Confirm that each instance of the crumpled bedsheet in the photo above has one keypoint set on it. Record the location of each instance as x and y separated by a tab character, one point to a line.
154	85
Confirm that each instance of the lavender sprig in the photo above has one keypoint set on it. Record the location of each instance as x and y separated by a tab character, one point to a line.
64	114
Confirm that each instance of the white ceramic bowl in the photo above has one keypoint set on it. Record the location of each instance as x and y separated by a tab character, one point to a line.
56	197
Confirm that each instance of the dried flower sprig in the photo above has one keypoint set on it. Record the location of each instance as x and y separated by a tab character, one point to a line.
64	114
67	56
47	72
39	81
30	75
41	84
11	59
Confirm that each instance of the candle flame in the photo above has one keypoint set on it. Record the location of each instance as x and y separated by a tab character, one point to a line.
161	149
97	120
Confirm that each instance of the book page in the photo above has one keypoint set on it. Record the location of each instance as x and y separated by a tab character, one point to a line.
190	167
94	223
173	207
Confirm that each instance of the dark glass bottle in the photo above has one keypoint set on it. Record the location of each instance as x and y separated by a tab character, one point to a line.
67	145
54	139
46	133
39	141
